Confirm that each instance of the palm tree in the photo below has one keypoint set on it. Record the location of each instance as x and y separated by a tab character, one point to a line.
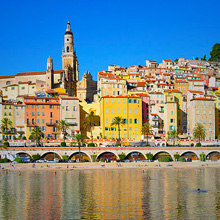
6	125
174	135
89	122
146	129
119	122
80	142
63	126
37	134
199	132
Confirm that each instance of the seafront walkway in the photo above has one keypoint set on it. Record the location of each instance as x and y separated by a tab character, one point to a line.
99	152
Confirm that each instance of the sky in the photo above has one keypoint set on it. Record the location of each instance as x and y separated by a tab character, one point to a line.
121	32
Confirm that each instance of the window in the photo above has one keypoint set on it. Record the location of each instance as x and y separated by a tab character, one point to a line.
135	121
204	112
32	121
43	114
51	121
197	121
114	93
32	106
74	108
42	106
204	103
118	100
105	93
130	111
204	121
37	106
38	113
124	111
17	113
32	113
38	121
210	112
51	114
171	120
124	100
113	110
130	121
135	111
210	129
50	106
130	128
106	121
12	88
197	112
43	121
112	100
106	100
172	112
67	108
210	103
119	111
106	110
210	121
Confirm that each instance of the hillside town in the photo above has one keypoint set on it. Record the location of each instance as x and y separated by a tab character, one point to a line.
174	95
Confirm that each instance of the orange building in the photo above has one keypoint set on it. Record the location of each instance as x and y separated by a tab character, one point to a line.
43	112
182	85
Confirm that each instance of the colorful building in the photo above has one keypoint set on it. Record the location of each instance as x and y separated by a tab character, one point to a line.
127	107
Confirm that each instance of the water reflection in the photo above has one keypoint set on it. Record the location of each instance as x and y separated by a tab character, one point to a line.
111	194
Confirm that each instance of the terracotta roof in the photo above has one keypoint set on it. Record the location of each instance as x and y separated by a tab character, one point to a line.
6	77
35	97
156	93
24	82
142	95
172	90
167	60
121	96
141	84
153	114
191	91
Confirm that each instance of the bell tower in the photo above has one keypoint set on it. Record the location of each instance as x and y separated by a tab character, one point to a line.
49	73
70	62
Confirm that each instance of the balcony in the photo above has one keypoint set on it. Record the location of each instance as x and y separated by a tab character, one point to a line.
152	102
155	126
51	124
155	118
11	131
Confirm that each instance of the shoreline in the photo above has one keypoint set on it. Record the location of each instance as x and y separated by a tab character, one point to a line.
108	166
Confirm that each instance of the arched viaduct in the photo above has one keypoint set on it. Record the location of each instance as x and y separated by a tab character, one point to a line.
116	151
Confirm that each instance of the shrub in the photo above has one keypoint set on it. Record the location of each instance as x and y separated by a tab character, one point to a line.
18	160
93	158
164	159
121	156
72	144
5	144
5	160
149	156
65	157
176	157
36	157
198	144
91	145
85	160
118	145
103	159
5	139
63	144
24	138
202	157
181	159
96	160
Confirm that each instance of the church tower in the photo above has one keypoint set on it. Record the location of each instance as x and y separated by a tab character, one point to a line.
70	63
49	73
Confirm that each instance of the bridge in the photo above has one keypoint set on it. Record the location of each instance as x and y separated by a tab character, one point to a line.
113	152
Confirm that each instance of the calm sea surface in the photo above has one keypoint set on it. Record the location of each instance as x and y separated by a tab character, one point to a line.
111	194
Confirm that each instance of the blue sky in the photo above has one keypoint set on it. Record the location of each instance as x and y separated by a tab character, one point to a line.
105	32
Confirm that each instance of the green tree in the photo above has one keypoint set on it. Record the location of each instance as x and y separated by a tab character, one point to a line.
6	125
79	139
146	130
4	144
174	135
199	132
37	134
196	58
176	60
204	58
118	122
63	126
89	122
215	53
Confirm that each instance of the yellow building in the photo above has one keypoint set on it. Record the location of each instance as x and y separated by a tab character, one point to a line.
88	108
127	107
181	111
170	113
217	114
8	112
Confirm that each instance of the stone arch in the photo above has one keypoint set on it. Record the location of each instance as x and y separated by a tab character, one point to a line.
107	154
24	154
135	155
77	156
50	155
213	155
161	154
190	155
